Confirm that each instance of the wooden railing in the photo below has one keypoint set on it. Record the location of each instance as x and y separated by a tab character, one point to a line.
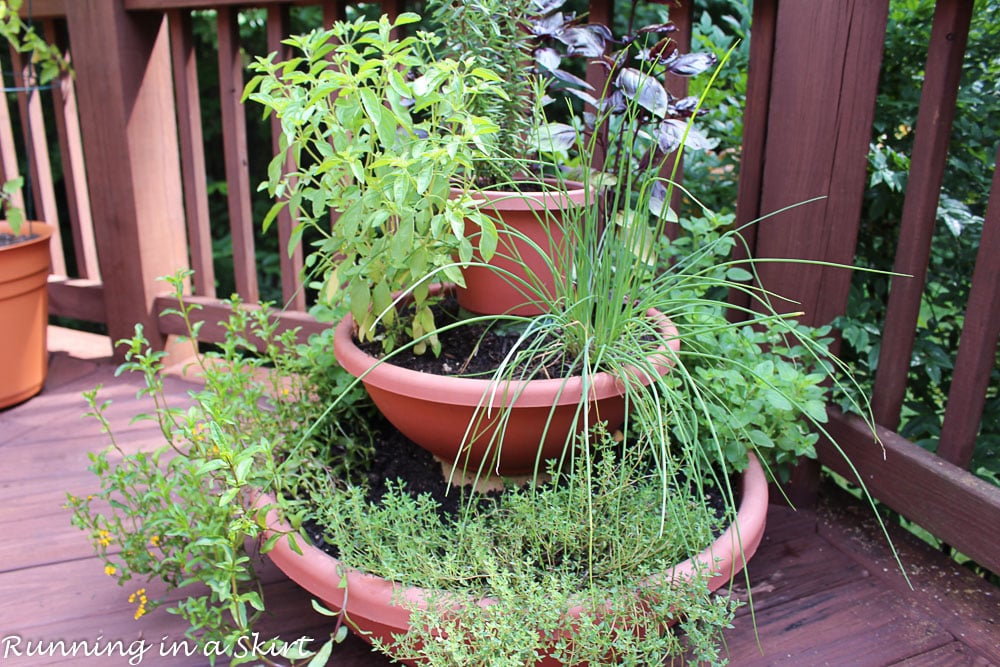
811	95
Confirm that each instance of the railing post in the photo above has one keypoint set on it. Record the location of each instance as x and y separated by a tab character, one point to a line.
126	103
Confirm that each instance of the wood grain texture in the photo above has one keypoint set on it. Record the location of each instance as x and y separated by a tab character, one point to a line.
192	151
956	506
818	129
825	587
126	103
978	343
74	169
234	139
943	71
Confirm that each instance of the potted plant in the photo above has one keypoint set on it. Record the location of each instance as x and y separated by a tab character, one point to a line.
266	429
526	43
24	247
586	562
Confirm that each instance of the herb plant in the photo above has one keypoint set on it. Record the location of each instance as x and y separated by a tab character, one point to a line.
377	131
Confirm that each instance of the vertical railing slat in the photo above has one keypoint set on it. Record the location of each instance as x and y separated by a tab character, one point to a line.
292	293
943	71
333	11
74	170
234	138
978	343
192	150
40	171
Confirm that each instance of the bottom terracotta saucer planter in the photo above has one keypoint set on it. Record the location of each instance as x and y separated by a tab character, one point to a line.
377	608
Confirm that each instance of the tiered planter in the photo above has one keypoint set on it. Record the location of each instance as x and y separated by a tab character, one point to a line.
378	609
24	312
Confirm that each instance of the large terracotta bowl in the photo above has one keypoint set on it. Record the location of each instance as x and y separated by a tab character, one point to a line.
377	609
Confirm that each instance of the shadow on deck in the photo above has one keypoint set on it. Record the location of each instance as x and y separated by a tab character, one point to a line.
825	588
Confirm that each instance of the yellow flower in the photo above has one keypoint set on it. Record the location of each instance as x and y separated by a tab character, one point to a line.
155	540
103	538
110	570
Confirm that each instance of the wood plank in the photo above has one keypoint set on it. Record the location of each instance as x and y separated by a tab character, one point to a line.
792	562
125	96
858	623
753	146
74	170
79	299
958	600
292	291
192	151
942	74
214	311
234	139
953	504
818	129
39	166
978	343
954	654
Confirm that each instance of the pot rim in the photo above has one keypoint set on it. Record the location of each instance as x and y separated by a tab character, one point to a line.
726	556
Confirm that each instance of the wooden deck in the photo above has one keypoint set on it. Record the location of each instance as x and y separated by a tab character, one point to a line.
825	590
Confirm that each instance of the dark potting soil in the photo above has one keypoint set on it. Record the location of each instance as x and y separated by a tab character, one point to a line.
475	349
10	239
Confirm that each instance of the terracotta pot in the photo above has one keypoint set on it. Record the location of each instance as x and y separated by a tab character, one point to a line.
500	287
374	607
457	419
24	313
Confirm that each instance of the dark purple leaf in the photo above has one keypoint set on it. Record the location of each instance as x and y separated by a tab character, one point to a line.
663	51
555	137
657	28
686	105
546	6
614	103
548	59
571	79
547	26
691	64
586	97
669	135
646	91
584	41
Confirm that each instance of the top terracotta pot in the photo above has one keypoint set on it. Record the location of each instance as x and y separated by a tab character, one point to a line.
531	241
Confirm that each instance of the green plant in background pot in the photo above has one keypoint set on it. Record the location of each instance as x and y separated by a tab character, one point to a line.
24	248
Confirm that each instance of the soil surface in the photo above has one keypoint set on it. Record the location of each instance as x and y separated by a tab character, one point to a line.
10	239
476	349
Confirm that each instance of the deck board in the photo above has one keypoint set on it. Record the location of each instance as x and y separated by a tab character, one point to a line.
824	587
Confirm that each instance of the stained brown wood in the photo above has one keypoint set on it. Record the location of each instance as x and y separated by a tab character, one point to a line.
73	167
8	157
292	292
36	143
129	134
763	22
79	299
820	112
192	151
930	153
824	585
978	344
953	504
212	312
234	136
